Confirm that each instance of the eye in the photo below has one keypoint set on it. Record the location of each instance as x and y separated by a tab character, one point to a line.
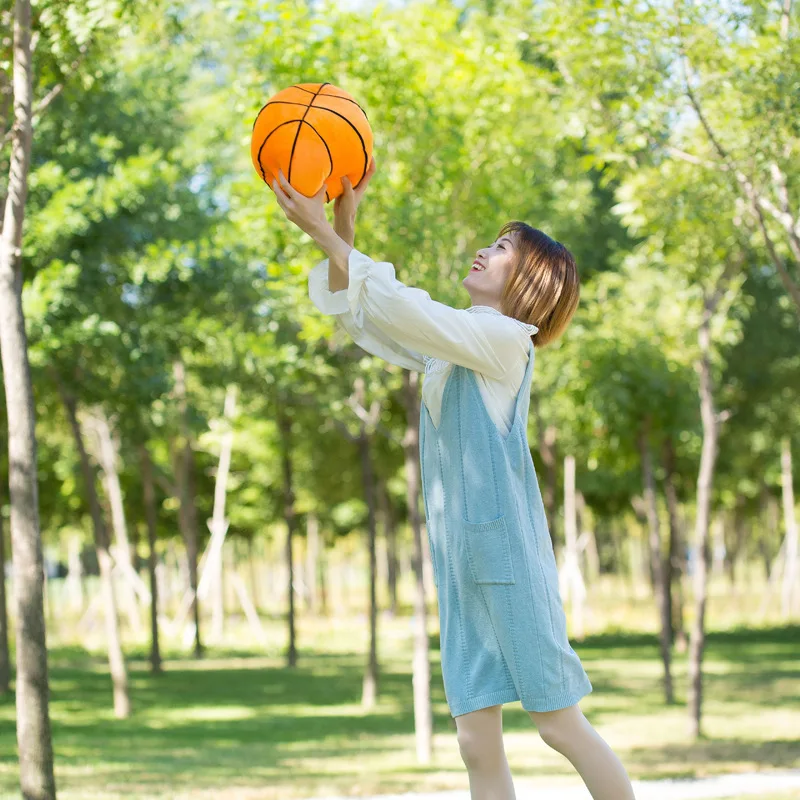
500	245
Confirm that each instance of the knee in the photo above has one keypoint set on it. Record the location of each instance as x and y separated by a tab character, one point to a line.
557	728
553	735
477	753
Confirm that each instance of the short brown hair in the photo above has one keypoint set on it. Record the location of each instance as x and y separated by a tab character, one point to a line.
543	288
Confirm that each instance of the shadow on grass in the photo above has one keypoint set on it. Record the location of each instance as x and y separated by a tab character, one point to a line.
229	722
734	637
778	753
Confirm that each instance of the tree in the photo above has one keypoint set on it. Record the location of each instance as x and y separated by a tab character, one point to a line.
34	737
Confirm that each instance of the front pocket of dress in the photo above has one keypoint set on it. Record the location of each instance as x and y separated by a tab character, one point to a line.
489	551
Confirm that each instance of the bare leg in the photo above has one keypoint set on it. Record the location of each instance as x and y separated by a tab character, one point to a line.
480	740
571	734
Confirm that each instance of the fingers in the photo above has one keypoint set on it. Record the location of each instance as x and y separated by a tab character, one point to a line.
287	187
286	202
279	194
291	193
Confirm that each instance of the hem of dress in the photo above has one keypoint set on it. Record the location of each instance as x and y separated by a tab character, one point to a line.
554	702
459	707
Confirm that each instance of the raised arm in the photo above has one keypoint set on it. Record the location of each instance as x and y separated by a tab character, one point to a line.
327	285
367	336
385	313
407	317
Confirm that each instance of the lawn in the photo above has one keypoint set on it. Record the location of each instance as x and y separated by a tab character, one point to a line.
238	724
784	796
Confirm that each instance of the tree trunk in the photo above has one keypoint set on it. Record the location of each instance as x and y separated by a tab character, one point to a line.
586	533
654	539
323	578
391	547
253	565
193	537
312	562
790	594
421	668
107	452
388	562
381	550
708	457
768	528
547	450
641	564
620	556
5	659
675	564
116	660
73	583
285	428
151	516
370	686
187	513
218	524
717	542
34	738
573	579
734	542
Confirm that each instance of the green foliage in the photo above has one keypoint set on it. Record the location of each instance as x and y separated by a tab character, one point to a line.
149	237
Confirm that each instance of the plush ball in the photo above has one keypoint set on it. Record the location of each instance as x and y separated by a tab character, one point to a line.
314	133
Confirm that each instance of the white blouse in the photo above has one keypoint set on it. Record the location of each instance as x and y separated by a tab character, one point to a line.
404	326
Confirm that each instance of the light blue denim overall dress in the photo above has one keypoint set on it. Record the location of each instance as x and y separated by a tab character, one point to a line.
502	625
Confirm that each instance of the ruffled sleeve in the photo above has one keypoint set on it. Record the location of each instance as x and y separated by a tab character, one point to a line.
404	325
366	335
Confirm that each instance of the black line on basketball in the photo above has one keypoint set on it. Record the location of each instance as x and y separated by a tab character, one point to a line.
266	139
287	103
301	122
294	143
259	114
349	100
322	139
305	105
281	101
360	137
277	127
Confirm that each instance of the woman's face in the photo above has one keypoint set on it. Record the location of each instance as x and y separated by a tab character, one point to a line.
485	287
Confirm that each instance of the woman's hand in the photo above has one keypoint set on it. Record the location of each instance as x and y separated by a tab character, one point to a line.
345	205
308	213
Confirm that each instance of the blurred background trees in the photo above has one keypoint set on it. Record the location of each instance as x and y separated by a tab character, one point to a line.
158	280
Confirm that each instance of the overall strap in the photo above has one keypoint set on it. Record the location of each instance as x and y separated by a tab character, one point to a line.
524	395
523	399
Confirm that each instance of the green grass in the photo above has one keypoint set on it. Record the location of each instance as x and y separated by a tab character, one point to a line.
784	796
241	725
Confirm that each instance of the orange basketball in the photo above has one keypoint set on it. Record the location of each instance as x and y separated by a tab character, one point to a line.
315	133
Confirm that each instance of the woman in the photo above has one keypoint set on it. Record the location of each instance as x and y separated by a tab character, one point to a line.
502	625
